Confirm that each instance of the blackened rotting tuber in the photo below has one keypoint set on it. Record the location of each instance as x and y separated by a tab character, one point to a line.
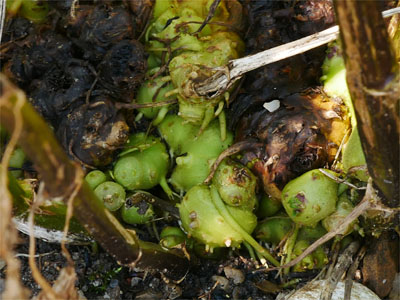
39	52
91	133
98	28
122	69
305	130
75	66
60	89
14	29
304	133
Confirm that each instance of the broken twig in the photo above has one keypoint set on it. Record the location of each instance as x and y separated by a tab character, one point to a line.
344	261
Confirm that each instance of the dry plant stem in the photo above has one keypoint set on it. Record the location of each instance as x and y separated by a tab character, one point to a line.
224	77
70	209
373	80
343	263
351	272
60	174
8	236
43	283
335	249
2	16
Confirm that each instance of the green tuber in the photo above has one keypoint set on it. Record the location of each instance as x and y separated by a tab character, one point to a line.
95	178
315	260
202	220
343	208
274	229
177	133
153	91
334	78
16	162
195	65
112	194
171	237
179	30
137	167
236	184
194	154
206	217
268	206
33	10
310	197
191	57
136	210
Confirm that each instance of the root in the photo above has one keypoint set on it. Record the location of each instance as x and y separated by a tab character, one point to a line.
222	125
339	151
210	15
164	66
9	237
64	287
338	180
145	105
41	281
208	117
171	93
70	208
160	116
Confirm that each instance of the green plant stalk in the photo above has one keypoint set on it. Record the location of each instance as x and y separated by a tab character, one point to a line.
17	193
373	80
289	245
219	204
250	250
62	177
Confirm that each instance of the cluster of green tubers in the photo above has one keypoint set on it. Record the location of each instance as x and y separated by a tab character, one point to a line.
190	55
194	154
229	211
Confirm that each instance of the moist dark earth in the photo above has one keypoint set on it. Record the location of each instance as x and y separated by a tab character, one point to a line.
100	277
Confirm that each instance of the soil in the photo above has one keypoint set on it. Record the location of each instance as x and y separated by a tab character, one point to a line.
100	277
231	277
